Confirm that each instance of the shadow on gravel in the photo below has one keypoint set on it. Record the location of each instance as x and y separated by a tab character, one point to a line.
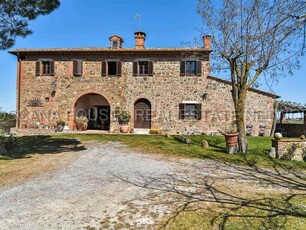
230	196
28	145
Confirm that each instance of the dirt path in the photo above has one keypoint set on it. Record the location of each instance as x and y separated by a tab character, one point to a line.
111	187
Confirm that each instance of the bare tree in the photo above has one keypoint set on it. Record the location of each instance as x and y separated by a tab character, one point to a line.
253	38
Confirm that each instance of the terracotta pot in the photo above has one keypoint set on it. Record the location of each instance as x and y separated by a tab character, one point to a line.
231	140
81	127
124	128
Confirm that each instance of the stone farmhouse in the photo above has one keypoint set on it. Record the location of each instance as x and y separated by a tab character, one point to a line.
166	88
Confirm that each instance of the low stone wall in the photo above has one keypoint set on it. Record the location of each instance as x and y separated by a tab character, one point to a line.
31	132
282	146
291	130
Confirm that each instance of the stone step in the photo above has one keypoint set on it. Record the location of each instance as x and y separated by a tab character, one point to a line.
141	131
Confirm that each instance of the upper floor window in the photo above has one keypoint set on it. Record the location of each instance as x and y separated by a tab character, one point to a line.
45	68
190	111
111	68
189	68
77	68
143	68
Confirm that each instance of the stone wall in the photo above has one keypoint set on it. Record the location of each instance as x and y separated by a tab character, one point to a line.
282	146
166	89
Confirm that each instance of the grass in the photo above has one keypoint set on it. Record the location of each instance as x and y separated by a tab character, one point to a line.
257	155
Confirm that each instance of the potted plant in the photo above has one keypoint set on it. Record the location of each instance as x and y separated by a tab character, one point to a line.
60	124
231	137
81	123
123	117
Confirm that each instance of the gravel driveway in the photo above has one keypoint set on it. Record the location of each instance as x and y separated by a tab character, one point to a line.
108	186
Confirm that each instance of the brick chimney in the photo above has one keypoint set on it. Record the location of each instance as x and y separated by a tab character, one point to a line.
206	41
140	38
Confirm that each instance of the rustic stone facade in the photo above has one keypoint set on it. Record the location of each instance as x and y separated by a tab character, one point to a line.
165	90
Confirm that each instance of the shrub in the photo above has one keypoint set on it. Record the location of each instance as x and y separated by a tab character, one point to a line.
7	121
123	116
9	143
81	122
155	131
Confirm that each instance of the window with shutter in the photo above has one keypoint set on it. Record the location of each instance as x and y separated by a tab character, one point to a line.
190	68
78	68
190	111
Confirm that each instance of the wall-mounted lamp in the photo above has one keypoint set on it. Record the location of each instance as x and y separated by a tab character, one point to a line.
204	96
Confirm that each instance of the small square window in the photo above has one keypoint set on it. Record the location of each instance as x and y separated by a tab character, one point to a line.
115	44
190	111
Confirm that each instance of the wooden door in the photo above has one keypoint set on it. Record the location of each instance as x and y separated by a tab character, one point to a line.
142	114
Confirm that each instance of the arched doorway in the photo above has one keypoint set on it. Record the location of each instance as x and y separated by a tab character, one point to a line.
142	114
96	108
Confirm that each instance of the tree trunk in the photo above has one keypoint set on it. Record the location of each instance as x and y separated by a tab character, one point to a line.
276	103
242	140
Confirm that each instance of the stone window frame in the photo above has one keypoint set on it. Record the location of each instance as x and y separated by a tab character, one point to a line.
45	67
198	67
190	111
136	68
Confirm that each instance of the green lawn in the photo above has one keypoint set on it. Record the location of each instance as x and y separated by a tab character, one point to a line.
257	155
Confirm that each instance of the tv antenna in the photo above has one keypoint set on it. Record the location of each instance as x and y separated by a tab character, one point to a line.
138	16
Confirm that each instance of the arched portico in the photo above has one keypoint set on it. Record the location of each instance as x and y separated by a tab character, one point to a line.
96	108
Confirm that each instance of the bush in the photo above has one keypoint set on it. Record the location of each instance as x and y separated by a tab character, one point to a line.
155	131
123	116
7	121
9	143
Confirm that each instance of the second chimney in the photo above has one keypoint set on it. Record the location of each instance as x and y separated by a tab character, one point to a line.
140	38
206	41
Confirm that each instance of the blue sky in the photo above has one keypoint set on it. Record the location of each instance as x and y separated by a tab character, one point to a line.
81	23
